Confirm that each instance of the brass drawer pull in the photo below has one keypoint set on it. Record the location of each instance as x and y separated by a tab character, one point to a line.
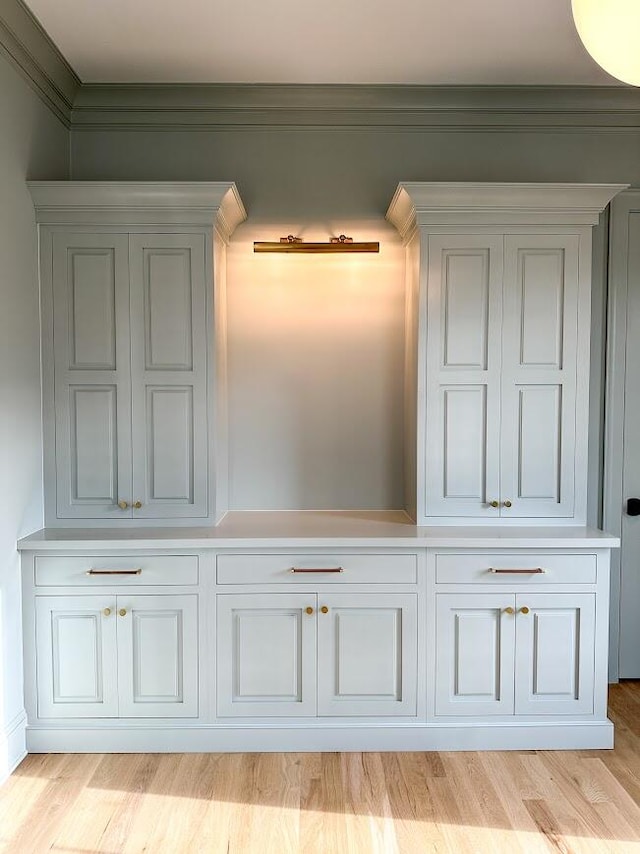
329	570
537	571
114	571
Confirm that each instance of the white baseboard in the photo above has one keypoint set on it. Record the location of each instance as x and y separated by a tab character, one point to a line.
569	735
13	747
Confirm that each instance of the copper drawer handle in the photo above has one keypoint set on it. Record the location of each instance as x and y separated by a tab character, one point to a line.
537	571
114	571
330	570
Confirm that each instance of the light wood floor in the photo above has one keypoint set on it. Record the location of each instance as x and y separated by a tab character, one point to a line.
350	803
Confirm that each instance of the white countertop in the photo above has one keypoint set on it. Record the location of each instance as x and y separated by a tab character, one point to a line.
318	529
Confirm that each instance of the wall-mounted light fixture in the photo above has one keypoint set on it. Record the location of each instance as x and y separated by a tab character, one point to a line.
297	244
610	30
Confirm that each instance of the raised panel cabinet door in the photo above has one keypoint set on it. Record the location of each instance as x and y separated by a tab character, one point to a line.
76	656
91	375
474	654
266	655
459	416
158	656
539	375
169	375
555	653
367	654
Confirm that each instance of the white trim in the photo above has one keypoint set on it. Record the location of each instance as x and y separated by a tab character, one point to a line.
13	746
444	203
199	202
569	735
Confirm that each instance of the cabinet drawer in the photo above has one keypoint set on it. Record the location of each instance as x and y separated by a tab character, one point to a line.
73	570
317	569
477	569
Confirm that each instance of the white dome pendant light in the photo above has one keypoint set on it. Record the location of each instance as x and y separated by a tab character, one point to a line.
610	31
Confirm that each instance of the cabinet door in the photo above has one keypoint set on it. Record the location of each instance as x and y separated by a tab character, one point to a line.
169	375
76	656
459	416
158	656
92	375
539	375
367	654
555	653
266	657
474	654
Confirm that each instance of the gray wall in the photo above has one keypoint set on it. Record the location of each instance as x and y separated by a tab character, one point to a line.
33	144
311	174
315	371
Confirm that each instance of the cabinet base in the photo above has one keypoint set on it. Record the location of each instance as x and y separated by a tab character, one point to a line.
13	747
568	735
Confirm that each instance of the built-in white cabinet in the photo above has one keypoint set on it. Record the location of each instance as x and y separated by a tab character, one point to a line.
130	384
109	656
518	635
500	375
497	357
204	642
133	368
506	654
322	631
317	654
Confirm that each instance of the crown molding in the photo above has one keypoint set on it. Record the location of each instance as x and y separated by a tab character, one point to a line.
423	203
29	49
517	108
235	106
143	202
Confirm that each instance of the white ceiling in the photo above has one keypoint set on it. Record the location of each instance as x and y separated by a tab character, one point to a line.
336	41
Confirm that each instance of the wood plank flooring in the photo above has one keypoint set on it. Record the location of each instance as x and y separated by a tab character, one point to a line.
349	803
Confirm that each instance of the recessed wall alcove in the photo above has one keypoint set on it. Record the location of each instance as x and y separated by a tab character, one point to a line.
316	350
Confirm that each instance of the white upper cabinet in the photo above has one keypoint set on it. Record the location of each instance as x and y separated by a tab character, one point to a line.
91	366
134	388
464	310
169	374
539	446
497	362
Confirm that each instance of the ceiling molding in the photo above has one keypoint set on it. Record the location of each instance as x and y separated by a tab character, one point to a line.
29	49
194	106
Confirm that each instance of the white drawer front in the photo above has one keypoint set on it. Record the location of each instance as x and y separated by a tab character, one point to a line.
515	568
136	569
316	569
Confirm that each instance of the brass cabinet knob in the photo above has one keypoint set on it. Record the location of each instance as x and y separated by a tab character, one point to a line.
137	504
494	504
506	504
324	609
123	505
524	610
107	612
508	610
309	610
123	612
